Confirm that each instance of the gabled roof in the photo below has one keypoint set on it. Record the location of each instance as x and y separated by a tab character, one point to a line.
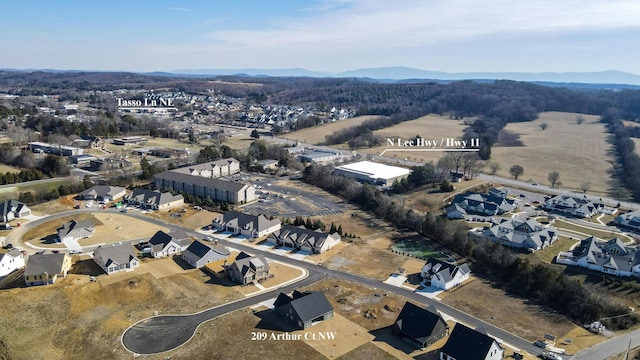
42	263
118	254
246	221
102	190
445	270
200	249
75	226
246	263
14	253
612	254
206	166
467	344
301	236
154	197
418	323
308	305
10	206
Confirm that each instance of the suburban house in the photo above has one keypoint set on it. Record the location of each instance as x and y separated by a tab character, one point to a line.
13	209
212	169
477	203
204	187
465	343
499	192
610	257
163	244
629	220
76	230
422	327
155	200
247	269
253	226
443	275
11	261
302	309
523	234
103	192
116	257
199	254
312	241
567	205
44	268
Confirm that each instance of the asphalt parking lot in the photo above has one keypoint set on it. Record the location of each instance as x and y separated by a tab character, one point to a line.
277	200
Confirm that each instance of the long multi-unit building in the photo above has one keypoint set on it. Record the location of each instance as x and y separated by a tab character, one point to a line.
54	149
213	169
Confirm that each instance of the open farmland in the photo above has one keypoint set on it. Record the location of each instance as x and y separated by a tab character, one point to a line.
430	127
578	152
316	135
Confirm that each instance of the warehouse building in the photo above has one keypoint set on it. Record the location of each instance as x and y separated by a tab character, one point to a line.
373	173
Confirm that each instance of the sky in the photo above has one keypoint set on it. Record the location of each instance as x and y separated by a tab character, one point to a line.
328	36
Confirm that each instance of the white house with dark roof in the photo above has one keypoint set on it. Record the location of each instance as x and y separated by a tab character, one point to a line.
567	205
312	241
116	258
163	244
477	203
629	220
610	257
247	269
199	254
443	275
76	230
11	261
465	343
103	192
253	226
523	234
155	200
13	209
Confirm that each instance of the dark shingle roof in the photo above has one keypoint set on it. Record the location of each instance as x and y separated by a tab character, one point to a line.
416	322
119	254
200	249
201	181
467	344
310	306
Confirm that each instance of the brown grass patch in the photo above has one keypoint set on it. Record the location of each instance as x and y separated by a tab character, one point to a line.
4	168
38	233
316	135
191	218
281	274
366	261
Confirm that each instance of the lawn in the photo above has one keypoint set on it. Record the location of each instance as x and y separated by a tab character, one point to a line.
585	154
582	231
419	248
549	253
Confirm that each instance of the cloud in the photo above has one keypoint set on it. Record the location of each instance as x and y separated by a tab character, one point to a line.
179	9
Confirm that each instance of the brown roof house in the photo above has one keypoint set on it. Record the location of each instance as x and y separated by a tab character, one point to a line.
247	269
303	309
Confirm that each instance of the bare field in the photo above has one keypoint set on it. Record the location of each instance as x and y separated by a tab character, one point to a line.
427	201
4	168
365	260
191	218
316	135
578	152
64	203
430	127
513	314
75	319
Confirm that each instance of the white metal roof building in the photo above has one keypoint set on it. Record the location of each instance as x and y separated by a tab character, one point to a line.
374	173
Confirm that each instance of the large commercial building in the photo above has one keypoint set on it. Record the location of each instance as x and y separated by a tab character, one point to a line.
54	149
373	173
217	190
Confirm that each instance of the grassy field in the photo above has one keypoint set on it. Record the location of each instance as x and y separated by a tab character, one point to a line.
578	152
6	168
549	253
584	231
430	127
316	135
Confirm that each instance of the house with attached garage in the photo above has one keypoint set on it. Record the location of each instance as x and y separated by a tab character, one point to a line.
11	261
45	268
76	230
199	254
577	207
420	326
163	244
610	257
465	343
481	204
522	234
443	275
247	269
253	226
103	192
154	200
630	220
303	309
312	241
13	209
116	257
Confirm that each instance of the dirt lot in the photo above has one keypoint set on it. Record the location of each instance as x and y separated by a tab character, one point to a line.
316	135
584	148
432	200
76	319
514	314
191	219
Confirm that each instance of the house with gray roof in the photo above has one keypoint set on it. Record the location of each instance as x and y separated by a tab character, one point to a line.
13	209
444	275
478	203
247	269
567	205
11	261
198	254
218	190
298	237
163	244
522	234
303	309
102	192
116	257
154	200
253	226
76	230
44	268
629	220
610	257
465	343
420	326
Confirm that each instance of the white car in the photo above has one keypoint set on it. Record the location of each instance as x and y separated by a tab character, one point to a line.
551	356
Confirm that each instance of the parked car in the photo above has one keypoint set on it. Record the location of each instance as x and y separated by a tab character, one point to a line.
551	356
540	343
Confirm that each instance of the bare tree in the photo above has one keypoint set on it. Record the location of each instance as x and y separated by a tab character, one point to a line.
494	167
516	170
553	178
585	186
544	126
579	119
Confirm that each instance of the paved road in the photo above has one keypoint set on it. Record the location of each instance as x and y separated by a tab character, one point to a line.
609	348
